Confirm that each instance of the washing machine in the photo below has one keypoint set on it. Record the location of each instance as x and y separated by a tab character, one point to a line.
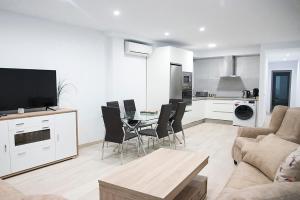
244	113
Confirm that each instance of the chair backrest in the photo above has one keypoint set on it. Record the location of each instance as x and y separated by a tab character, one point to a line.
277	117
129	105
174	103
114	104
113	124
290	127
177	119
163	120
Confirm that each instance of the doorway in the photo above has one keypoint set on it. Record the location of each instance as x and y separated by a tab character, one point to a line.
281	86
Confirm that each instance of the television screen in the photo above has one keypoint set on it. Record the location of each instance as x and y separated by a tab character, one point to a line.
27	88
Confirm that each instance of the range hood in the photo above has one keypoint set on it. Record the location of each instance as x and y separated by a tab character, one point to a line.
229	68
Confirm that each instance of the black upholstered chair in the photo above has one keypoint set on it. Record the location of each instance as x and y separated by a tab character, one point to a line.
161	129
129	105
174	103
114	129
176	124
114	104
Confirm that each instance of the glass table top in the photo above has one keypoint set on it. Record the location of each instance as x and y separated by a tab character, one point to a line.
140	116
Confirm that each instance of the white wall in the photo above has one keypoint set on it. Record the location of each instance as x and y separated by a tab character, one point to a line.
265	51
78	55
127	75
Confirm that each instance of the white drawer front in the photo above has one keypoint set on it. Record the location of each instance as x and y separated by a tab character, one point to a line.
26	123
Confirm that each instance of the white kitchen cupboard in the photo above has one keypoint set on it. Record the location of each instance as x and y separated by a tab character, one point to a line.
219	109
158	73
4	149
66	140
194	113
32	139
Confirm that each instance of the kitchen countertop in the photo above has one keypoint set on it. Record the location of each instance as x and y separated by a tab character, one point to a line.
224	98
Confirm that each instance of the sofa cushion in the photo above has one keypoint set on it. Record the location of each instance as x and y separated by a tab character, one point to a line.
290	127
274	191
289	170
269	153
246	175
241	141
7	192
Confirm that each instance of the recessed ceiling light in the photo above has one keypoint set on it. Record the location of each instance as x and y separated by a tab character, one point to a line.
201	29
167	34
288	54
211	45
116	12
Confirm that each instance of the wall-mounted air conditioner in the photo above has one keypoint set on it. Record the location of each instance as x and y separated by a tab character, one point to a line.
137	49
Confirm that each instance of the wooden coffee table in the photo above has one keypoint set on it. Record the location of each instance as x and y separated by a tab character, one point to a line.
162	174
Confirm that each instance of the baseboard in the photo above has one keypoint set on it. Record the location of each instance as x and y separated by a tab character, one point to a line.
195	123
218	121
90	143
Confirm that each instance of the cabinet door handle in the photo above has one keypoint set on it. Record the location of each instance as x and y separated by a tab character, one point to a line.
5	148
19	124
57	137
22	131
46	148
46	120
21	153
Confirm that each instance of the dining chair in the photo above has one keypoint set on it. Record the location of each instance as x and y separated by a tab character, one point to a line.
176	125
174	103
115	132
129	105
161	128
114	104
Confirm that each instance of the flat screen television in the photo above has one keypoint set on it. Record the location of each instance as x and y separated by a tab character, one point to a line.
27	88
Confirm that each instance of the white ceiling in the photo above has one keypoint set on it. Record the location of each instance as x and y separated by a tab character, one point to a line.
229	23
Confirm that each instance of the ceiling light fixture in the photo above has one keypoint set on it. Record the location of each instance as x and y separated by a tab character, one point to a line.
211	45
167	33
201	29
116	13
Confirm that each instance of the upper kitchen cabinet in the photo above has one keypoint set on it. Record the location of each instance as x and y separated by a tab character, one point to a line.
158	73
183	57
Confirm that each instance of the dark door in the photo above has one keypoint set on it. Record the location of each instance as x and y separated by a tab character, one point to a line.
281	81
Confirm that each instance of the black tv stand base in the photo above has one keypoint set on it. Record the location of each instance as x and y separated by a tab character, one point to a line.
49	108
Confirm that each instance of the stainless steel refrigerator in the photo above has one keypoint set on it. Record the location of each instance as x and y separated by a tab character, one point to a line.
175	81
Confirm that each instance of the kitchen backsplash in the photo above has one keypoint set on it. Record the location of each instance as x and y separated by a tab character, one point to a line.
207	76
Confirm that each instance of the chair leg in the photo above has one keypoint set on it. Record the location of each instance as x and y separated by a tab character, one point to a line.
121	153
169	141
183	136
148	142
141	143
102	150
152	143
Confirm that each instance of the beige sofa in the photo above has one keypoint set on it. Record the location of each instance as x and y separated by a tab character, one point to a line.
247	181
7	192
285	123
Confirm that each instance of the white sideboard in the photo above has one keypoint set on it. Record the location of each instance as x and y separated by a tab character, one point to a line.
32	140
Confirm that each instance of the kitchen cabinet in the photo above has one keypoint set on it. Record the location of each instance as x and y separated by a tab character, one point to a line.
209	109
219	109
195	112
65	131
4	150
158	73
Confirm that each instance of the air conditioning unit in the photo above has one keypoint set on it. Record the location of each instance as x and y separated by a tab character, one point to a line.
137	49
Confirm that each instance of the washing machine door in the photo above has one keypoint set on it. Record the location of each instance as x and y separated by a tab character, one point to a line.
243	112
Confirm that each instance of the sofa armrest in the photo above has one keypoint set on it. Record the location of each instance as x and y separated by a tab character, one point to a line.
253	132
286	190
43	197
